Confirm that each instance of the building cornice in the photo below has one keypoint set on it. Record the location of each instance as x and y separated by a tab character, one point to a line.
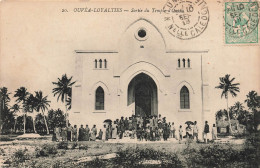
187	51
114	51
95	51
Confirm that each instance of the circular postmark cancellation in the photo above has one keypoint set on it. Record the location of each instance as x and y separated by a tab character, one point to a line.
241	18
186	19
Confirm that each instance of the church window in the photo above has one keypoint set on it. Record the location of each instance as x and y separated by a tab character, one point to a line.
188	63
100	98
100	63
184	98
179	63
95	63
142	33
105	63
183	62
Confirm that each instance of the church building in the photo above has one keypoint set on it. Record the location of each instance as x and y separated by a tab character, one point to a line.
141	77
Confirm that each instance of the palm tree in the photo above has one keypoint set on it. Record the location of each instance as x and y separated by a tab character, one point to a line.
4	97
42	104
6	116
15	108
244	117
237	109
21	94
228	88
252	101
253	104
4	100
221	114
31	104
63	90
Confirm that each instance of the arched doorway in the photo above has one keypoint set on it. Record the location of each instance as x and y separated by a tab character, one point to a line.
142	94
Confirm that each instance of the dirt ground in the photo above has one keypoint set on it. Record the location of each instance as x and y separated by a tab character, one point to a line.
96	148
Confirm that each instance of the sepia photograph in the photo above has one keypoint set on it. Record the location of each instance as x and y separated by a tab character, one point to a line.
128	83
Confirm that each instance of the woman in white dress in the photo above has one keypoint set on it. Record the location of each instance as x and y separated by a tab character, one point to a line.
114	130
104	130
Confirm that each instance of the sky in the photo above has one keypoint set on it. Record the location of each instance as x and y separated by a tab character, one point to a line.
38	42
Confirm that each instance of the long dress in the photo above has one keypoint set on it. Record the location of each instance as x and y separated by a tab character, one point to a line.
114	131
93	134
81	134
104	130
86	134
64	133
109	136
69	129
74	134
100	134
57	132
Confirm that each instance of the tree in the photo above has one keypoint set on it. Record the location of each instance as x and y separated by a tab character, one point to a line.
228	88
56	118
252	101
40	123
31	104
244	117
19	122
64	91
4	97
21	94
7	117
42	104
253	104
235	111
15	108
221	114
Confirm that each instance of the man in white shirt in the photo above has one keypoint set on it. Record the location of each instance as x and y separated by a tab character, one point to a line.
195	131
173	130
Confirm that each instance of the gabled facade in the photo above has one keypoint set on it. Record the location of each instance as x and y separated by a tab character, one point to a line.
141	77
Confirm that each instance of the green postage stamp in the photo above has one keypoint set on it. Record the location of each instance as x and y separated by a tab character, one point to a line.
241	22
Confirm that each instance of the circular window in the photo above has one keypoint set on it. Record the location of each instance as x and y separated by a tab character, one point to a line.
142	33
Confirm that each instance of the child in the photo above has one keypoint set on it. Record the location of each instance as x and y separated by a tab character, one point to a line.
214	132
172	130
206	131
139	132
157	135
180	134
195	131
160	133
100	134
151	134
147	136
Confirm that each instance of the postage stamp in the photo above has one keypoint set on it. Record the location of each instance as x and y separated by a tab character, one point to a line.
186	19
241	22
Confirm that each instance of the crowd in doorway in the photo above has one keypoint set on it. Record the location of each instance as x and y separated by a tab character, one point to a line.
151	128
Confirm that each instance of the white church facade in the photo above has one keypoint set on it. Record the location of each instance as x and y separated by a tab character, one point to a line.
140	77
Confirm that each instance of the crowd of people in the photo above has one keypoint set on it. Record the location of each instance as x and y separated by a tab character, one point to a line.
151	128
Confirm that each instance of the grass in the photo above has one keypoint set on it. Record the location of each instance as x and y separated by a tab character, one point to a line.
179	154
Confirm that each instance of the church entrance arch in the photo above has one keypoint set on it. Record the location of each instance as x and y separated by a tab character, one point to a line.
142	94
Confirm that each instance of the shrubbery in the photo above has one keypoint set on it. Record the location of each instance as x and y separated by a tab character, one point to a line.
215	155
133	157
250	153
46	150
83	147
62	145
97	163
19	156
5	138
74	145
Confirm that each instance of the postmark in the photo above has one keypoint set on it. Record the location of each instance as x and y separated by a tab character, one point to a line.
186	19
241	22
